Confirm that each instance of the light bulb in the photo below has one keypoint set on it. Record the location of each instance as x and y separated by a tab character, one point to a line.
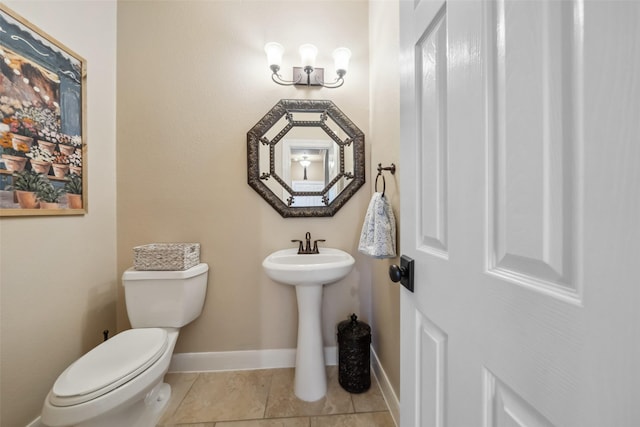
274	53
341	58
308	53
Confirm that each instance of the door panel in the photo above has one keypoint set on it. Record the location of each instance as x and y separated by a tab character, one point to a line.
431	90
533	59
504	408
431	371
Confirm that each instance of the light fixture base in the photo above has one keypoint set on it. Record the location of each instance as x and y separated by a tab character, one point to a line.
316	78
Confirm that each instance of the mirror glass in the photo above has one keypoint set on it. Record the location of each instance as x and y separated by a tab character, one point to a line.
306	158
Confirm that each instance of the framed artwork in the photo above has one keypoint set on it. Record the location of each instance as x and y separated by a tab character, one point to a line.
43	169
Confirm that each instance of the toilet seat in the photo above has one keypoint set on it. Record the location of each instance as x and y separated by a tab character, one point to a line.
109	365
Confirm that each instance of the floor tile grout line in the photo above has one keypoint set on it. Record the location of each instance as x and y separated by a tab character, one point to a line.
170	417
266	403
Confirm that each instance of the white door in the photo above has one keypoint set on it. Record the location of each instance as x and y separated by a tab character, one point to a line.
520	181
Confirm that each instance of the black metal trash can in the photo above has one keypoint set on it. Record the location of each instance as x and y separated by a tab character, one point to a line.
354	359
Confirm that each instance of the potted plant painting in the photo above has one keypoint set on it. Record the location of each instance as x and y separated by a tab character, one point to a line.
48	195
75	162
26	183
14	158
65	145
47	145
22	130
60	164
41	159
73	188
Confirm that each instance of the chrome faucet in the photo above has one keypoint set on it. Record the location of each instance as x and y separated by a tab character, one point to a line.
306	248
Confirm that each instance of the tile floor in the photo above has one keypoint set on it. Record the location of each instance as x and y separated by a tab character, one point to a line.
264	398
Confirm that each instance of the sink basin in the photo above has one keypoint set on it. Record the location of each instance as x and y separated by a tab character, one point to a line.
288	267
308	273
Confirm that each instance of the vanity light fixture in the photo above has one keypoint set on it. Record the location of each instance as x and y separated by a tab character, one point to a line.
308	74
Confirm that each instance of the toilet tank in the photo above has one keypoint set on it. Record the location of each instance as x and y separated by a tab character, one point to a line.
165	299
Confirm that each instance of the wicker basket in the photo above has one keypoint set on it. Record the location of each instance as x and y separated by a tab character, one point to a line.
166	256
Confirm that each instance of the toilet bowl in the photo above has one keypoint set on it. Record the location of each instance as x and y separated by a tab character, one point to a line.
120	382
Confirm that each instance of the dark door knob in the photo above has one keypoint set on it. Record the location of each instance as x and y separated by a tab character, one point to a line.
396	273
403	273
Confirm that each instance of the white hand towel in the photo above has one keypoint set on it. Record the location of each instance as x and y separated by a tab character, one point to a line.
378	237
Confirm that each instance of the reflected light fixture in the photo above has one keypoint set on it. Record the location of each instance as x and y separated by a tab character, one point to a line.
308	74
305	164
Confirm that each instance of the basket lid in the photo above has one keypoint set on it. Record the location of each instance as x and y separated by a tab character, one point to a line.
353	328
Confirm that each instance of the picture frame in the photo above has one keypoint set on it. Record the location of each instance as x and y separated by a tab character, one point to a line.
43	148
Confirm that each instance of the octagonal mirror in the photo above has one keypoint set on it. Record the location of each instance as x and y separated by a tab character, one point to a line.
305	158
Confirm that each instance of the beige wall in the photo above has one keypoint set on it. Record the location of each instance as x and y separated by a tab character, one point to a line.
58	274
385	133
192	80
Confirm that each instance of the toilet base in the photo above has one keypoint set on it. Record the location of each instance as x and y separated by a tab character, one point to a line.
143	413
137	403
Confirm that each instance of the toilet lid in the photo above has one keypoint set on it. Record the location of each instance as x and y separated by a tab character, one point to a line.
109	365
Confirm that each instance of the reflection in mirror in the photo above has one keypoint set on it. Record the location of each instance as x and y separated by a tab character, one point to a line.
306	158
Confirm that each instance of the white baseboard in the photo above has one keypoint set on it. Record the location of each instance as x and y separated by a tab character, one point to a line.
242	360
385	386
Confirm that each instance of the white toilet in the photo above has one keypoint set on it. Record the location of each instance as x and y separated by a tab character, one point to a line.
119	383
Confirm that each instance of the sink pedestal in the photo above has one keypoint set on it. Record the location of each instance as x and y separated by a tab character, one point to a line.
310	378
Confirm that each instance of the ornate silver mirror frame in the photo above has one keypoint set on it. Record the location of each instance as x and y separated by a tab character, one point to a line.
272	129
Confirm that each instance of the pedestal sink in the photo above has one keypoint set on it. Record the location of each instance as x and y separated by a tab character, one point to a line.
308	272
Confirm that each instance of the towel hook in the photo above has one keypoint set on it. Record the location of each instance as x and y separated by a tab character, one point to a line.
391	169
